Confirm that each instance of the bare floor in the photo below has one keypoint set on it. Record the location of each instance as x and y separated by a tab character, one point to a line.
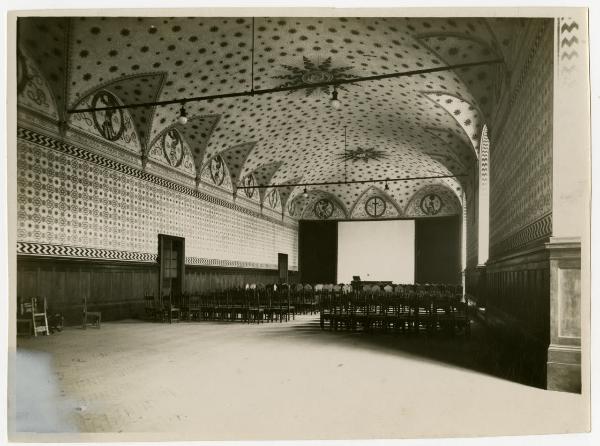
273	381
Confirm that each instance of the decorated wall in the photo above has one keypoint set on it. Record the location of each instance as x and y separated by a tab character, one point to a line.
76	203
521	149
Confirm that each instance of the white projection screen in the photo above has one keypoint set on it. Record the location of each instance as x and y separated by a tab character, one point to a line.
376	251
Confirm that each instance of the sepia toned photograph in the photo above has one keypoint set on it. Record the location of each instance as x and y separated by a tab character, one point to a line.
298	224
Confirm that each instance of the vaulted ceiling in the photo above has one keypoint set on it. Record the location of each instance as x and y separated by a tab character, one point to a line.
417	126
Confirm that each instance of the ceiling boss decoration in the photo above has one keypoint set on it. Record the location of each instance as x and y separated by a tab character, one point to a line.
363	155
314	73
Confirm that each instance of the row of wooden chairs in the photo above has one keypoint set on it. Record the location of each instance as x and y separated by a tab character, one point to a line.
406	308
252	304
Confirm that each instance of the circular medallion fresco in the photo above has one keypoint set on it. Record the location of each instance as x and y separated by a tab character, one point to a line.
109	123
323	208
375	207
172	145
248	181
273	199
431	204
217	170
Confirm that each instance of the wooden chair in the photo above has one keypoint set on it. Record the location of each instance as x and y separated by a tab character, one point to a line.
94	316
170	308
150	306
39	316
24	317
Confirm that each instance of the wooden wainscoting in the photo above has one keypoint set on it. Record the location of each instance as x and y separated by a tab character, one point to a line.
517	300
199	279
117	288
114	288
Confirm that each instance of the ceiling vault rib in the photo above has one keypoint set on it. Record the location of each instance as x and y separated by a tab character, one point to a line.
253	92
330	183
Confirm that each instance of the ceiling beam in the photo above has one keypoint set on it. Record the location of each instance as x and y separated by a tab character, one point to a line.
253	92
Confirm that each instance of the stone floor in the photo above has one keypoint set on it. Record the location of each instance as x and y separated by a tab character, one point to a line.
274	381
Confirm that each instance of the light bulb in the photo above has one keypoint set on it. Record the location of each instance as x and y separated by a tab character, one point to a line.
305	193
334	101
387	187
182	119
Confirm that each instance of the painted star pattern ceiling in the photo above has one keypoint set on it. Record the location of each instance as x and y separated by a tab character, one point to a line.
422	125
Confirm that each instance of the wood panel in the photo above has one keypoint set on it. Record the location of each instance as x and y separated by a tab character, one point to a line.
202	278
116	288
517	301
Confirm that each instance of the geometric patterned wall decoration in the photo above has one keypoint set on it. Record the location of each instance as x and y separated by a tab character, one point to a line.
569	48
374	203
69	199
433	201
521	192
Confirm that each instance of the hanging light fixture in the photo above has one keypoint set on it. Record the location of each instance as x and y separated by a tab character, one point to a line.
386	187
305	193
334	101
182	118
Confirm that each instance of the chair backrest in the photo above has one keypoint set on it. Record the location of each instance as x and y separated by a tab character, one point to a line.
308	287
388	288
318	287
375	289
299	287
366	288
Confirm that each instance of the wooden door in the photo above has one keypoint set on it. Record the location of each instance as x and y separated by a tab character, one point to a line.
282	266
171	251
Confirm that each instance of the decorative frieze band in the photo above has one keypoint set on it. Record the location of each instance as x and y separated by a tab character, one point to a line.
539	229
77	252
